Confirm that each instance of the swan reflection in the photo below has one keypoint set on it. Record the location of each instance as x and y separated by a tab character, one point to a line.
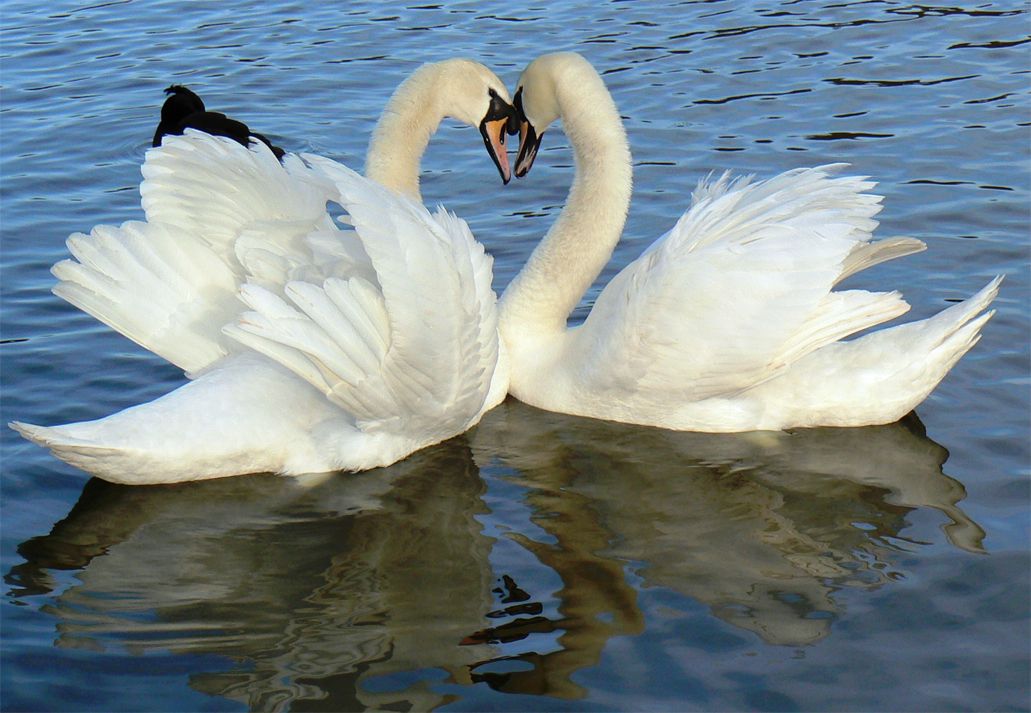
311	588
763	528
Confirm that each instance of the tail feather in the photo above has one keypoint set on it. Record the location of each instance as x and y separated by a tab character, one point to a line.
881	376
952	319
934	344
960	341
67	447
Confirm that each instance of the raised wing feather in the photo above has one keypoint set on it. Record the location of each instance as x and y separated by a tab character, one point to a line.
736	290
413	352
219	214
213	188
157	285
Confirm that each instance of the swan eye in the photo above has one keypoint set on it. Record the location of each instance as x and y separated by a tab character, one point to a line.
498	109
501	109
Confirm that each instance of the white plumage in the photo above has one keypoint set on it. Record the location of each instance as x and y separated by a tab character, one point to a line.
729	322
313	346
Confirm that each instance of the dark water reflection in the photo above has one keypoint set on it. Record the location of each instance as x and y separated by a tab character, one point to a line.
762	528
312	588
309	586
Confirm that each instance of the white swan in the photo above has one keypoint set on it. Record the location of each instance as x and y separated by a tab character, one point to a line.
726	323
360	345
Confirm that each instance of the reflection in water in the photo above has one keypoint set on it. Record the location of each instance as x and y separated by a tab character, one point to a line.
761	528
312	587
315	587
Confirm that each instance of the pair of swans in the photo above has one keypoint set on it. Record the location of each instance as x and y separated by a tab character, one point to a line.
365	343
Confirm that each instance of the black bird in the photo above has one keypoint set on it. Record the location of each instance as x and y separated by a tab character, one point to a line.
184	110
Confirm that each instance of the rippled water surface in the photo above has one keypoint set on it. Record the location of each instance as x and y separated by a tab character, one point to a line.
540	562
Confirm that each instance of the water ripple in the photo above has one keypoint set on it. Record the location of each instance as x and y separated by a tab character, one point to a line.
693	561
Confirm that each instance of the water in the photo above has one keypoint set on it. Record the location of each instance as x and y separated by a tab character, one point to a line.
541	562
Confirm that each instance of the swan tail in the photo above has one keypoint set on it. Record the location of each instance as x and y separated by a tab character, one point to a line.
66	445
880	377
922	353
133	459
154	284
951	319
954	331
82	445
933	345
53	436
105	448
248	416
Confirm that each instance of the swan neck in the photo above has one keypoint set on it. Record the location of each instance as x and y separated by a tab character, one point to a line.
577	247
403	132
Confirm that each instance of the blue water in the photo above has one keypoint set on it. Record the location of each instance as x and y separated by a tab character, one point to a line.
540	562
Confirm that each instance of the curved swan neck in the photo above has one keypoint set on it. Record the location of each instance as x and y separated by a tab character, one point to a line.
403	131
577	247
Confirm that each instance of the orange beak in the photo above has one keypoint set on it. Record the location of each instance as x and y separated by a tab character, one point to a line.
494	133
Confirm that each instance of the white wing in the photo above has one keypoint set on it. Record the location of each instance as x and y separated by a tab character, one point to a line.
157	285
213	188
267	221
218	214
413	352
738	288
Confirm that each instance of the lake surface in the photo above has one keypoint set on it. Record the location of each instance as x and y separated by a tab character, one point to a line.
540	562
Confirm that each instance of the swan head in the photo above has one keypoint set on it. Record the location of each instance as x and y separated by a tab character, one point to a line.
475	96
538	98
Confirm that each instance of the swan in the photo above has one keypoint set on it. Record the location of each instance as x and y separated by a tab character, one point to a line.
311	346
729	322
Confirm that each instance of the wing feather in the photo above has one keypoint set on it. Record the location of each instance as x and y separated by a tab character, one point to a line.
739	288
412	351
212	187
218	214
155	284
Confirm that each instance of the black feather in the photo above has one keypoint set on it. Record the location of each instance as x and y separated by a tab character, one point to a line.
184	110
